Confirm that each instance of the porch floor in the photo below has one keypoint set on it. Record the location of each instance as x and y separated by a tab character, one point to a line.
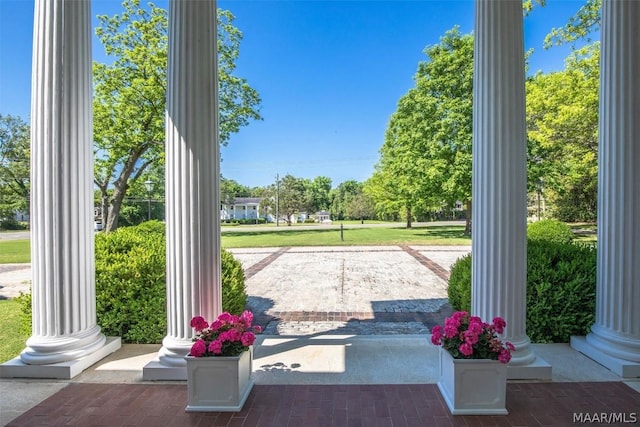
321	380
529	404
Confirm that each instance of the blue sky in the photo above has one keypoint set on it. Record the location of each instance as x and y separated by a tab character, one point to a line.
330	74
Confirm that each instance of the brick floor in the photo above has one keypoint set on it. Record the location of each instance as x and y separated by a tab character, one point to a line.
529	404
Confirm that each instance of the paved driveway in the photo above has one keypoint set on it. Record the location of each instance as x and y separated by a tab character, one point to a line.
361	290
345	289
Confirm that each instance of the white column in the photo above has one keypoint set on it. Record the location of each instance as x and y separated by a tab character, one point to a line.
66	338
192	182
499	245
614	340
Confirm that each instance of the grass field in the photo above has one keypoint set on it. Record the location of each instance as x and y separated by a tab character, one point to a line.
18	251
12	340
436	235
15	251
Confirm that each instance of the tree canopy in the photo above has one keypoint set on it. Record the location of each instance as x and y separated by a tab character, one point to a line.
14	166
562	120
129	100
425	161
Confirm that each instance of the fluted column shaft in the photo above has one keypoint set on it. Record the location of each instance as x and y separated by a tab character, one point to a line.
616	331
62	243
192	175
499	269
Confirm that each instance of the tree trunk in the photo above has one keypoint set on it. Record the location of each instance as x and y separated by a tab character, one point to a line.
408	216
467	226
119	191
104	203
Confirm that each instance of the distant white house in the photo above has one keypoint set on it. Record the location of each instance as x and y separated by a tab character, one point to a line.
242	208
323	216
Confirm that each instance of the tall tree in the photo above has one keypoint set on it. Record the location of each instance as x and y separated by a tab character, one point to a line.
316	194
340	197
129	99
290	196
14	166
562	120
361	207
230	189
427	150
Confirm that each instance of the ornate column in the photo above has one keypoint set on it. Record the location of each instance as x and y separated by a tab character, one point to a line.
614	340
499	245
192	182
66	339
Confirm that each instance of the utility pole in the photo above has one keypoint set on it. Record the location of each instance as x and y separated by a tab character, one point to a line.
277	200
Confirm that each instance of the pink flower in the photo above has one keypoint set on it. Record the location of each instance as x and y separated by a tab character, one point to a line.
505	356
450	331
466	349
499	324
475	328
470	337
216	325
198	323
459	315
198	349
215	347
436	335
247	318
247	338
228	335
225	317
453	322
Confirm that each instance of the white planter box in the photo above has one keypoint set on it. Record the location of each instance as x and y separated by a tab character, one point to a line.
473	386
218	384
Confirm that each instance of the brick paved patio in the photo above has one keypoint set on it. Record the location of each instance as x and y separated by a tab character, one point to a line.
529	404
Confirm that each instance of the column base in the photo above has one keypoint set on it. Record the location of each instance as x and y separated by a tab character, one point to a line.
620	367
155	371
15	368
538	369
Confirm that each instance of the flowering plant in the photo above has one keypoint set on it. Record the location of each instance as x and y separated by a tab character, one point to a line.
228	335
468	337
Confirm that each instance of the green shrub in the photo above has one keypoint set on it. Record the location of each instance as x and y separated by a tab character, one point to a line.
12	224
459	290
234	294
561	287
550	230
561	290
131	283
24	301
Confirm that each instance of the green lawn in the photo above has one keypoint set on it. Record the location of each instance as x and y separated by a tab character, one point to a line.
12	340
15	251
18	251
436	235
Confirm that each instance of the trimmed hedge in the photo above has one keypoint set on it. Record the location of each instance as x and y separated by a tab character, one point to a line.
550	230
234	294
459	289
131	283
561	289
